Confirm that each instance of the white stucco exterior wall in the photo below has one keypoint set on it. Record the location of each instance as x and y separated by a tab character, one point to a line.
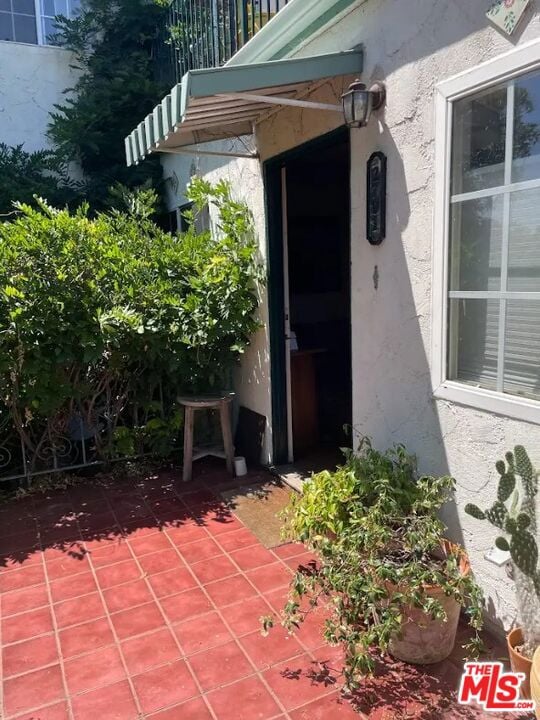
410	46
32	80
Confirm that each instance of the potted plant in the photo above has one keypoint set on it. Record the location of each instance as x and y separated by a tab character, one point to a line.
392	580
514	513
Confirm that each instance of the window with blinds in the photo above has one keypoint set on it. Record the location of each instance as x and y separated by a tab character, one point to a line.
494	249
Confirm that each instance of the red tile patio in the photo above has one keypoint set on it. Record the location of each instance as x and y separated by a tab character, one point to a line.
141	599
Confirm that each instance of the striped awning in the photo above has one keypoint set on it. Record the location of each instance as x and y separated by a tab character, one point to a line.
215	103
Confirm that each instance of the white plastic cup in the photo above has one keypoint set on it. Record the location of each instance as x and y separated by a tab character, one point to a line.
240	467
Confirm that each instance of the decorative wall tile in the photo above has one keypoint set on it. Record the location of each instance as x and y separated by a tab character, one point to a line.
506	14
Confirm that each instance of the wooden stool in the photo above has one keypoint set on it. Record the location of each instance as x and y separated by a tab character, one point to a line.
207	402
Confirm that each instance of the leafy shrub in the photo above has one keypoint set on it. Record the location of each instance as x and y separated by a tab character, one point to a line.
110	317
375	528
114	45
26	174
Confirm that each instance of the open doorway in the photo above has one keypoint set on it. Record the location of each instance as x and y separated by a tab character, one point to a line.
310	301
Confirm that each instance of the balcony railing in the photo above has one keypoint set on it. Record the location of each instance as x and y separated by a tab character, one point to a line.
207	33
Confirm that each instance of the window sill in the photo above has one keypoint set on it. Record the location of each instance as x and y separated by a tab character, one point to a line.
34	45
493	402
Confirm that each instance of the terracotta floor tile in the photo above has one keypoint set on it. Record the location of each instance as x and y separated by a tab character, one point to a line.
172	582
200	550
244	700
269	577
58	711
164	686
253	557
102	667
298	681
289	550
29	655
138	620
127	596
26	625
187	532
237	540
147	651
220	665
22	578
195	498
326	708
79	610
214	569
305	563
230	590
72	587
118	574
114	702
19	560
202	633
86	637
105	539
111	554
22	600
195	709
66	567
160	561
185	605
218	523
150	544
74	550
272	649
244	617
33	690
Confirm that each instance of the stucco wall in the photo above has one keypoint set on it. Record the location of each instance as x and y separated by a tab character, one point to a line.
32	80
410	46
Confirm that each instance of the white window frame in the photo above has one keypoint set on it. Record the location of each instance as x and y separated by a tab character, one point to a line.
518	61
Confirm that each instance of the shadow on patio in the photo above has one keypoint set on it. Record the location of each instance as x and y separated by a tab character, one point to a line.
130	599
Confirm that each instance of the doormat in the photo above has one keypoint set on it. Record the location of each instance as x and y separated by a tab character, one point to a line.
258	506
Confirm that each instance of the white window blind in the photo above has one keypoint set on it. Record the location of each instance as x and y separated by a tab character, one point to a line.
494	264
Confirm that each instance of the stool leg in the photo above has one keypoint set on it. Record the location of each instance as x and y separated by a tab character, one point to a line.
188	443
226	431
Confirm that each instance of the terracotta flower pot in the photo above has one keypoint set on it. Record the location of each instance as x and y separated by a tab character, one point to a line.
424	640
535	681
520	663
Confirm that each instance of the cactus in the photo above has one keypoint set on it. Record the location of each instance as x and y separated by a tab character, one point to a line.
518	520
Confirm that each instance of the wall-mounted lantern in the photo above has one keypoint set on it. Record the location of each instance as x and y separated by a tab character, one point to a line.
359	103
376	198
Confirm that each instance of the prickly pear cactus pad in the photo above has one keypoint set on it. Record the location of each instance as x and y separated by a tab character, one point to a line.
515	514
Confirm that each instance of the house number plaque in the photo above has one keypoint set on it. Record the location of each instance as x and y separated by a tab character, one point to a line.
376	198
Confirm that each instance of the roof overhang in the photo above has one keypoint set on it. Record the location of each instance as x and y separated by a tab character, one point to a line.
219	103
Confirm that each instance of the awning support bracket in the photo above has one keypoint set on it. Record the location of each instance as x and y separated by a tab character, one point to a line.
276	100
193	150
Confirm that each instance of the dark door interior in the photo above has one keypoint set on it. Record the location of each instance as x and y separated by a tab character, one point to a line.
318	229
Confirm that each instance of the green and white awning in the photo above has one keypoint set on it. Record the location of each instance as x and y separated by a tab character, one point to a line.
219	103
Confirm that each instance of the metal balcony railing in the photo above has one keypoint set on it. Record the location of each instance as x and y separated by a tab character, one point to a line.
207	33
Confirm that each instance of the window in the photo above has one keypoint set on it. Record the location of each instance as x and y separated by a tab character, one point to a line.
487	336
51	8
20	23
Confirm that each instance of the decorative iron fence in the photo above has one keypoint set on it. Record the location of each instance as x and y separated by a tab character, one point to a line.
207	33
73	441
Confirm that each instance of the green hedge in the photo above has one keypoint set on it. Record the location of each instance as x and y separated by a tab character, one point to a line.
113	312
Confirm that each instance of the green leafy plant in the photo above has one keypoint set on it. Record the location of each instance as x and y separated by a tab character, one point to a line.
375	529
514	512
104	320
24	175
114	47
